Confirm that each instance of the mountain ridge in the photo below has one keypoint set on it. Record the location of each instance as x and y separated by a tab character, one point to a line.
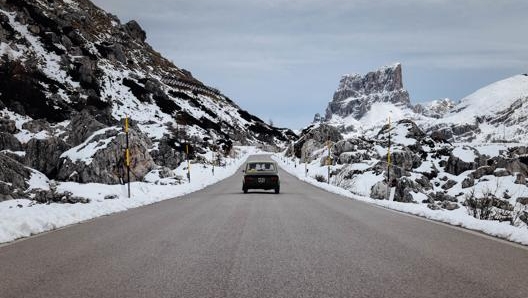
70	74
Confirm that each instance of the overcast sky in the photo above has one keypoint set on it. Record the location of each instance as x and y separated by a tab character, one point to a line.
282	59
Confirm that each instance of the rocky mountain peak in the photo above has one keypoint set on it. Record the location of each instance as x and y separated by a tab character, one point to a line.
356	94
436	108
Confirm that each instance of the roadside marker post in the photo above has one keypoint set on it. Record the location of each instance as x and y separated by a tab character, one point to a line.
188	163
389	164
329	160
127	154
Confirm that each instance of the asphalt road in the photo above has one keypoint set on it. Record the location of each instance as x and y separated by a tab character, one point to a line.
220	242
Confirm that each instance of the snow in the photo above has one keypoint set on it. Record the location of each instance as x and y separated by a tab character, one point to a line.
400	132
38	181
458	217
23	218
496	96
465	154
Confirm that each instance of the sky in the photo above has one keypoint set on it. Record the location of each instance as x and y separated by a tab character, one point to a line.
282	59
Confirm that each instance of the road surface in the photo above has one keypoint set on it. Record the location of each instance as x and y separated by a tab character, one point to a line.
304	242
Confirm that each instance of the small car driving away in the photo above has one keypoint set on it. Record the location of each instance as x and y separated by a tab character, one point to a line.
261	175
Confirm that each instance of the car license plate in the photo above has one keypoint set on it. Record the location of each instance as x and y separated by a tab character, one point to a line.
261	180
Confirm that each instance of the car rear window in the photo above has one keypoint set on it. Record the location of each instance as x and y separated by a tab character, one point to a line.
260	166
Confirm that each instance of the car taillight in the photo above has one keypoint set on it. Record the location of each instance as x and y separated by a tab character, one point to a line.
249	178
274	179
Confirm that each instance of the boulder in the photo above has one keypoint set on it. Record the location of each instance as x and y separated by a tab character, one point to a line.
404	187
468	182
482	171
406	159
457	166
102	158
441	196
7	125
522	200
36	126
13	178
44	154
424	182
379	191
9	142
449	184
513	165
52	196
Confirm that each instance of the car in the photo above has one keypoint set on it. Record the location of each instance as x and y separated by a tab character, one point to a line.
261	175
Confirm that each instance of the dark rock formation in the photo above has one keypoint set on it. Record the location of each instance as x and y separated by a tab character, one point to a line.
135	31
9	142
166	154
13	178
7	125
44	154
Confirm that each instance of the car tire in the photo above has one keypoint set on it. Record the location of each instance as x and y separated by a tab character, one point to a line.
245	190
277	190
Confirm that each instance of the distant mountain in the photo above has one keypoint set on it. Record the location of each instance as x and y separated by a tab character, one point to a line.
495	113
436	108
70	73
356	94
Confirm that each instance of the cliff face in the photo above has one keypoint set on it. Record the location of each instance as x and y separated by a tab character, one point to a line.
356	94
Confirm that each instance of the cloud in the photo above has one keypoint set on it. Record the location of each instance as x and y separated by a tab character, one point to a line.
315	41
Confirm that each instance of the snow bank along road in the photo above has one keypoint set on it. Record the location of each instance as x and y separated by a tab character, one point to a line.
304	242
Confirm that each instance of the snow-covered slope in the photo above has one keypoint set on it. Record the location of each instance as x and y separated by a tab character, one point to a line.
491	100
495	113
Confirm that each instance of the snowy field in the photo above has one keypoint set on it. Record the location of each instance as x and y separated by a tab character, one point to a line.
458	217
23	218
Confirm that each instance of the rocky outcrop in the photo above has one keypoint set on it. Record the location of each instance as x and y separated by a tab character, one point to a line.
320	134
13	178
44	154
9	142
135	31
7	125
106	163
356	94
82	125
37	125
